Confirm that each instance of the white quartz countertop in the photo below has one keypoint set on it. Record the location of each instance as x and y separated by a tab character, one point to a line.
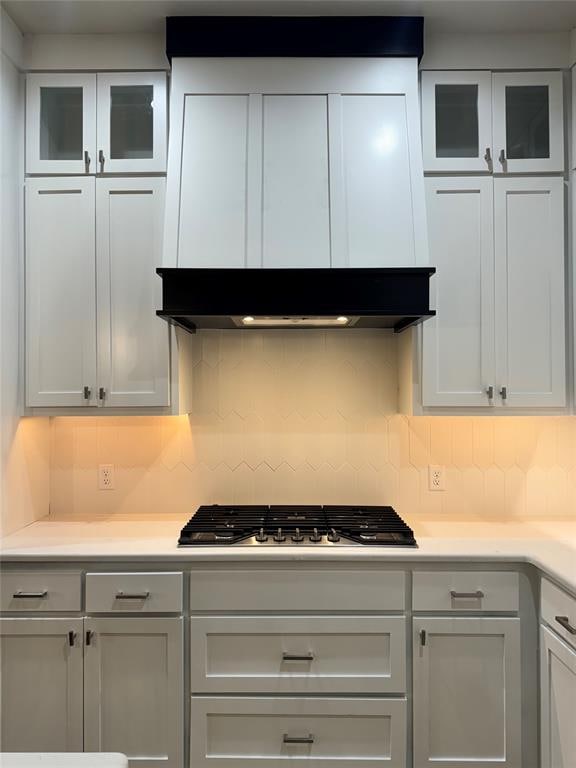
550	545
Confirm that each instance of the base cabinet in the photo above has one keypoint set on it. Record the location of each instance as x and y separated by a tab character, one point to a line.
41	685
467	698
558	701
133	689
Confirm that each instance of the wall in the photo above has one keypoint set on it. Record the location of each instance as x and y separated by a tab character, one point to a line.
24	444
95	52
310	418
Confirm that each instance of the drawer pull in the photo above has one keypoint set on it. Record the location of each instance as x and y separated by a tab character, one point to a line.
132	595
564	621
298	739
20	595
297	657
478	595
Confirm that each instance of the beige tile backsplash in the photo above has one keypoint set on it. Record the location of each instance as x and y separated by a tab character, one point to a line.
282	417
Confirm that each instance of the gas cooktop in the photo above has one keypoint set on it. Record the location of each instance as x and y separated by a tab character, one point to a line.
296	526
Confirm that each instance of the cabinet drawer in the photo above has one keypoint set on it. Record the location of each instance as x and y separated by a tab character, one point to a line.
234	732
40	591
297	590
134	592
273	654
465	591
558	609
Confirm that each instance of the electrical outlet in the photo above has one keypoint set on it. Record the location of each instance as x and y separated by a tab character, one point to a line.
436	478
106	477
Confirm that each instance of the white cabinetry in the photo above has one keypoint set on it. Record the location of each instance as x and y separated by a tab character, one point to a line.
467	701
88	123
504	122
41	685
499	335
295	163
133	689
558	701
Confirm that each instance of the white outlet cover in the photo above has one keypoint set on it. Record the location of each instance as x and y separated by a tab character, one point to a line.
106	477
436	478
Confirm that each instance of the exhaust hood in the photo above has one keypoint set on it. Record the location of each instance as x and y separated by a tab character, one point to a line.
388	297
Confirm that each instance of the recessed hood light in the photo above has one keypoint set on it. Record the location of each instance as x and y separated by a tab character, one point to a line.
291	322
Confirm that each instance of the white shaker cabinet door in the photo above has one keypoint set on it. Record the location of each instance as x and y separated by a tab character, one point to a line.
133	343
558	708
458	344
60	292
467	703
133	690
530	284
41	685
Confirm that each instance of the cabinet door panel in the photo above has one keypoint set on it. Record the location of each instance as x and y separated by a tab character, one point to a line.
133	690
295	216
467	705
133	351
528	123
458	344
61	123
457	121
530	315
558	691
60	292
41	685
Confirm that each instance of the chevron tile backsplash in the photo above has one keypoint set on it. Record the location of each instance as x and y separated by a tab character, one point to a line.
281	417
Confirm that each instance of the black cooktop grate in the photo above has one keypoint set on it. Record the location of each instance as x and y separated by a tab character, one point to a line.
221	525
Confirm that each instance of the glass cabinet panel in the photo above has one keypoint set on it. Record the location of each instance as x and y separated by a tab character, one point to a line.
61	123
131	121
527	122
456	120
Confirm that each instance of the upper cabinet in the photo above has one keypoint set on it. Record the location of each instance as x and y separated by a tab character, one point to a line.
502	122
295	163
87	123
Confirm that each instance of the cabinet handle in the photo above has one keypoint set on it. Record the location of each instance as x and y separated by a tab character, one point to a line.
488	156
87	393
296	657
504	393
564	621
101	159
298	739
478	595
132	595
86	161
30	595
422	637
101	393
71	638
490	392
502	157
89	636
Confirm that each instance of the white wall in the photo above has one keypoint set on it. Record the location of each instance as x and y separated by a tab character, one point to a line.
24	443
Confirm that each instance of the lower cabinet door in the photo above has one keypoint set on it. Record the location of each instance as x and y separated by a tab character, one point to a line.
41	685
133	689
467	697
274	732
558	702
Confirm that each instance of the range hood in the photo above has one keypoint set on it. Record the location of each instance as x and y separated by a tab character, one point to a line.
389	297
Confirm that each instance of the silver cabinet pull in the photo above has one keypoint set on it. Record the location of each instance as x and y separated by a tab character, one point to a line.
490	392
21	595
478	595
101	160
87	393
564	621
504	393
101	393
488	156
422	637
298	739
132	595
297	657
89	636
86	161
502	157
71	638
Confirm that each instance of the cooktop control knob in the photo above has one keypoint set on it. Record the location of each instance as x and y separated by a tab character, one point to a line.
315	536
261	536
332	535
297	536
279	536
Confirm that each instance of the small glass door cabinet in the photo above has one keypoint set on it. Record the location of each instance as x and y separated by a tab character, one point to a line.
456	121
61	124
528	122
131	122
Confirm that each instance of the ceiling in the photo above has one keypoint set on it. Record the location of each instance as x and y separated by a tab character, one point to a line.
105	16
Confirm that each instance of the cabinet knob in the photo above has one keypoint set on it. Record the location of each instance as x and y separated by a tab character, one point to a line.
504	393
87	393
490	392
101	160
89	636
71	638
86	161
488	157
101	393
502	158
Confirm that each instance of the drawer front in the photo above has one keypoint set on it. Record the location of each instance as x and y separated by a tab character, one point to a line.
453	591
275	654
558	609
30	591
297	590
134	592
243	732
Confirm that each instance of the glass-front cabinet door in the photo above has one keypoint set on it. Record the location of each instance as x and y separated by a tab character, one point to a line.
528	122
456	121
132	122
61	123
